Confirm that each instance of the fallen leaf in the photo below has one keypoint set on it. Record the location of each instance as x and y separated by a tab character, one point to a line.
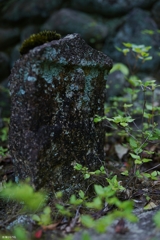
150	205
50	227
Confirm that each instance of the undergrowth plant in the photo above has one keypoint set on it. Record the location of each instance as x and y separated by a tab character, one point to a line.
122	112
132	117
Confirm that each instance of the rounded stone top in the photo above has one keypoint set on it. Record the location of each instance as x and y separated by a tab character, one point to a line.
70	50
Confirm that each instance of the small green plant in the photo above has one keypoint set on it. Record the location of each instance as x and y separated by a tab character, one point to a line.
139	51
4	137
20	233
44	218
108	195
23	193
3	151
87	173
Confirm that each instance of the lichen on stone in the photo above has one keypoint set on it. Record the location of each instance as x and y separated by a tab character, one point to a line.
38	39
56	90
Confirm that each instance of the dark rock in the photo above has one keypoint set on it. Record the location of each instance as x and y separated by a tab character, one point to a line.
4	66
30	10
9	37
155	13
15	54
27	31
132	31
69	21
4	101
56	89
116	82
110	8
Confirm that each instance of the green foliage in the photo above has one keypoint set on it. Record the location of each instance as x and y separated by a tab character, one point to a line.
123	113
140	51
3	151
103	194
20	233
4	137
108	195
44	218
24	194
156	219
87	173
120	67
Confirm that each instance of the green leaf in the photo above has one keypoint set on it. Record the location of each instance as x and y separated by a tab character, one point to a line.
102	169
154	174
125	51
97	119
102	223
36	218
81	194
20	233
146	160
99	190
156	219
148	58
129	45
147	31
87	221
63	210
119	49
45	217
75	201
96	203
134	156
147	175
125	173
120	67
138	161
85	236
134	81
133	143
124	124
127	105
97	172
24	193
78	166
86	175
138	174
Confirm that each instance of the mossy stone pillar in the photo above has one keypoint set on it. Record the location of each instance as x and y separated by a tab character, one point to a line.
56	90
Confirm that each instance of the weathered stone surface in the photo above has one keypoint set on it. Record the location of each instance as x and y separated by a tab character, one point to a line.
67	21
56	89
110	8
132	31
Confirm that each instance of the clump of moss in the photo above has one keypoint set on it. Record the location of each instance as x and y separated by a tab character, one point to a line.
38	39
